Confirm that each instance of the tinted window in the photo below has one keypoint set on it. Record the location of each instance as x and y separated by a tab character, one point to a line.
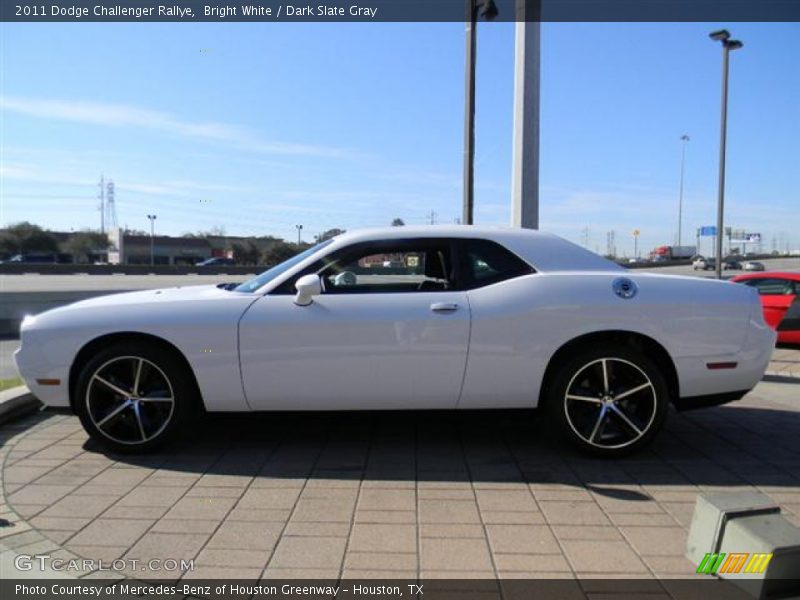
771	286
485	262
393	266
390	268
252	285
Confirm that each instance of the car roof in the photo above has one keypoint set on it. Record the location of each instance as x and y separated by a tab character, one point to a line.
770	275
544	251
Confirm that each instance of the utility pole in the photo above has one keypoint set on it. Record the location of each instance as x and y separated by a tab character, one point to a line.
525	142
299	230
487	10
684	139
152	219
432	218
727	45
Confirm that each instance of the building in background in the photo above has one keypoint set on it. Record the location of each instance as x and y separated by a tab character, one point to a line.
167	250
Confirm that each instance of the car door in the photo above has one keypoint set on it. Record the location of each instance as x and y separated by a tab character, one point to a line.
390	330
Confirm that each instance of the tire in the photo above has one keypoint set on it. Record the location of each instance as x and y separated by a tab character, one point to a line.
129	420
610	419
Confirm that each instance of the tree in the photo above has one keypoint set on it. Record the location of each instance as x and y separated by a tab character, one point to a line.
245	253
85	243
215	231
277	253
138	232
326	235
398	222
24	237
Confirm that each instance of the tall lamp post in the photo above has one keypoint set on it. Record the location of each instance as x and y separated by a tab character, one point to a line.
487	10
684	139
299	229
728	44
152	219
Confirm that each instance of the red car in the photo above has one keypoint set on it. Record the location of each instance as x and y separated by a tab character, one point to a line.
780	297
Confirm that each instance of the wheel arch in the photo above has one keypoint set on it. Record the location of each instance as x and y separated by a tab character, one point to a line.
638	341
89	348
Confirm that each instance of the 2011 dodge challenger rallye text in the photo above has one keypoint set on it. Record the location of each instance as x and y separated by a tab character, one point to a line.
407	318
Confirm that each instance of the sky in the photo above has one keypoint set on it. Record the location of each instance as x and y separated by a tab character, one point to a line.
259	127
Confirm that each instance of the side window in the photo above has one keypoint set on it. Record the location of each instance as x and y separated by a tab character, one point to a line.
485	262
772	287
390	268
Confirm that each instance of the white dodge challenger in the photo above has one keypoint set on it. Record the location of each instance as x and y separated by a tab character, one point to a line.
407	318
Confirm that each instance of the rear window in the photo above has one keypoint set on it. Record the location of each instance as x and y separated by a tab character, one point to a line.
772	286
484	262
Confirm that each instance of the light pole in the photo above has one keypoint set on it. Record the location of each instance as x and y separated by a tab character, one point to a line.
684	139
299	229
488	11
727	45
152	219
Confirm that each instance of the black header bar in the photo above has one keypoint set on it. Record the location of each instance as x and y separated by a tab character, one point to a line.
333	11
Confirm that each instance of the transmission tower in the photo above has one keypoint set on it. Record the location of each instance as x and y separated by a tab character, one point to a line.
102	207
111	207
611	245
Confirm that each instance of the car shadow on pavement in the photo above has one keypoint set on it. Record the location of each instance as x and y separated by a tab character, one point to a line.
724	446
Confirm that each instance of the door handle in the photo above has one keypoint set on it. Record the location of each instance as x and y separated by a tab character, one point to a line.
444	306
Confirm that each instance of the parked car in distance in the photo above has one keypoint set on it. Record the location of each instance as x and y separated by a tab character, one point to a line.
475	318
780	299
704	264
731	264
216	261
43	259
754	265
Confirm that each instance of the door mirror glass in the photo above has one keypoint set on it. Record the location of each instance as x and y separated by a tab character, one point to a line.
307	287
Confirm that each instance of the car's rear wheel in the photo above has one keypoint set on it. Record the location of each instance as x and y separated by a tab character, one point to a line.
609	401
133	397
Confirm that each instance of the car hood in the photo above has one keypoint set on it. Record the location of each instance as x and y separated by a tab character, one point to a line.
157	296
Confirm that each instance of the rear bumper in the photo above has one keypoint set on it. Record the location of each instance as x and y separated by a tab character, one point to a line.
699	380
708	400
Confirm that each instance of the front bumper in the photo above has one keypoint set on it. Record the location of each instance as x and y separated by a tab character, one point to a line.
41	374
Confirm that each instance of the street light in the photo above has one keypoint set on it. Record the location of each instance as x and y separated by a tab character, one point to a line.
727	45
299	229
684	139
488	10
152	219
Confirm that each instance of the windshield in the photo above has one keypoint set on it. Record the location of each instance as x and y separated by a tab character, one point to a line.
251	285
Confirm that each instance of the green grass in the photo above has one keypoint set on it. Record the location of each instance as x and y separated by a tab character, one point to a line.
6	384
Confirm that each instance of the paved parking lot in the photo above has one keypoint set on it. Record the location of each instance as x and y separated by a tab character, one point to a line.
393	495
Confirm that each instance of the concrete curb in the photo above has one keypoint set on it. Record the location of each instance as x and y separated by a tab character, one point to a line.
17	402
780	377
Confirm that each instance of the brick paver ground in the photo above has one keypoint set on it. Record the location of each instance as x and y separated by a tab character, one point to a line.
785	362
391	495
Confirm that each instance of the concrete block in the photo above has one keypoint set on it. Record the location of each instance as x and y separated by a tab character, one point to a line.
743	538
712	512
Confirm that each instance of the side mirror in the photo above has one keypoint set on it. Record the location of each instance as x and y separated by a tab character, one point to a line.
307	287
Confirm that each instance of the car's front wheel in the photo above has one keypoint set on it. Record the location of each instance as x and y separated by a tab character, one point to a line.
133	397
609	401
